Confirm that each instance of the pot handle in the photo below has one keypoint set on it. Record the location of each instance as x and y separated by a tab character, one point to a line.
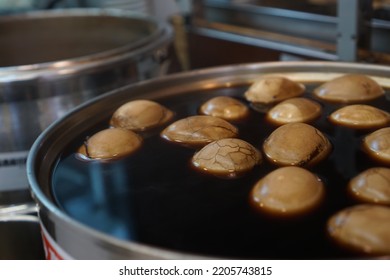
21	209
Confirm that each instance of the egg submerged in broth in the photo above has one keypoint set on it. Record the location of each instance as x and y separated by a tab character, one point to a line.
349	88
360	116
377	145
269	90
296	144
294	110
228	158
364	229
287	192
371	186
198	131
110	143
140	115
225	107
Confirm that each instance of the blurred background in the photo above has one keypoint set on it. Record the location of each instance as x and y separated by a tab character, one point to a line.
257	30
161	9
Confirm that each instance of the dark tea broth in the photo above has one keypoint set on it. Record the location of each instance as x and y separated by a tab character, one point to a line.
155	197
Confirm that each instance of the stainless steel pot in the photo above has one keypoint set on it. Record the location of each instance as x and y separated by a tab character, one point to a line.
51	61
73	239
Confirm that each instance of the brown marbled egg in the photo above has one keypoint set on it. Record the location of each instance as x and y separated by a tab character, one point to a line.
288	191
294	110
377	145
225	107
371	185
272	89
229	158
296	144
349	88
111	143
363	228
140	115
360	117
198	131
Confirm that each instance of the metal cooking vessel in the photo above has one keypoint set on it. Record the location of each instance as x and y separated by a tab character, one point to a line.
52	61
74	240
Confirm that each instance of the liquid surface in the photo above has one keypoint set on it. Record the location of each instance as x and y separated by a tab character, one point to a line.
155	197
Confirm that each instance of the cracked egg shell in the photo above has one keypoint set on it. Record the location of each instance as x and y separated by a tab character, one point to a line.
198	131
225	107
111	143
377	145
272	89
363	228
371	186
287	191
229	158
294	110
140	115
296	144
349	88
360	117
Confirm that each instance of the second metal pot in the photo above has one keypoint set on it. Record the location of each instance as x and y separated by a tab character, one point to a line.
51	61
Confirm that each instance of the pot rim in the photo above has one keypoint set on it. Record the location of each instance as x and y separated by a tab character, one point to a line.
162	34
218	75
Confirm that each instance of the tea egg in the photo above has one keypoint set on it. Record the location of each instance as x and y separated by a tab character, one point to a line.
111	143
371	185
198	131
140	115
377	145
362	228
293	110
225	107
349	88
229	157
296	144
288	191
360	117
272	89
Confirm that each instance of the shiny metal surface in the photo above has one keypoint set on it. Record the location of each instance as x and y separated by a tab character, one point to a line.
82	242
20	209
51	61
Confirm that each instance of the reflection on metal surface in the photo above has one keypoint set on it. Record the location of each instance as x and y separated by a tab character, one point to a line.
15	210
